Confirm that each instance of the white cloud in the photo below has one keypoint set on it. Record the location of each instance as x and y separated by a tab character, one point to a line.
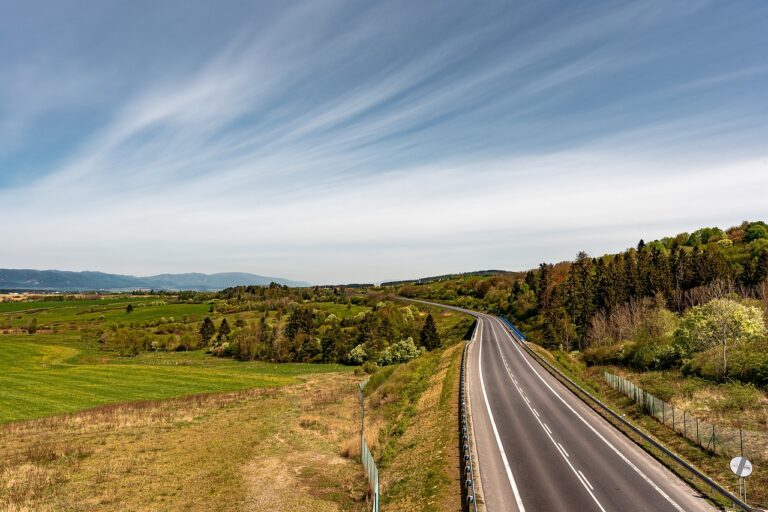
243	164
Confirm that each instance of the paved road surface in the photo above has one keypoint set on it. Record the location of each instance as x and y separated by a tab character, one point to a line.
540	448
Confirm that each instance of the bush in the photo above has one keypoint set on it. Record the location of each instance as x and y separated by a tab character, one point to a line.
607	354
400	352
653	356
357	355
748	362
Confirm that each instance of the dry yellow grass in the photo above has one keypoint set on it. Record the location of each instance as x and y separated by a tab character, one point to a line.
276	449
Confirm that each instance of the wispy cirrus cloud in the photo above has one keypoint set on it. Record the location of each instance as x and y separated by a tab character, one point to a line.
364	136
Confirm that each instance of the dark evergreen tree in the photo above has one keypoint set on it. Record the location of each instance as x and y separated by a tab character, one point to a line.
542	295
579	298
224	330
430	338
761	268
207	330
129	309
630	275
301	321
532	281
603	299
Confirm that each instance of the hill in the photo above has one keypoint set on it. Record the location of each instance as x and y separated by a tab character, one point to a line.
59	280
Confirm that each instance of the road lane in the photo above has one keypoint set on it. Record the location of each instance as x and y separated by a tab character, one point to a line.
561	455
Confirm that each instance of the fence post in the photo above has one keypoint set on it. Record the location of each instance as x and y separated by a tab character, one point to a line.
741	441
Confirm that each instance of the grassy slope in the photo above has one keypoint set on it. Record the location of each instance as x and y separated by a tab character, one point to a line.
266	449
52	374
413	425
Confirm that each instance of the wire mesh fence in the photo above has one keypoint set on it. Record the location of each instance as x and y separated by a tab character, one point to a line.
366	457
717	439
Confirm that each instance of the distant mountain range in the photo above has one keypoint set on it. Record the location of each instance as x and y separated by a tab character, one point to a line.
59	280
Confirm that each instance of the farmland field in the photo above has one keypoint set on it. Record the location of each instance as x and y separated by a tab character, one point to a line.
44	375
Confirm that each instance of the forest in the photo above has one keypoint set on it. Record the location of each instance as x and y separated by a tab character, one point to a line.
694	301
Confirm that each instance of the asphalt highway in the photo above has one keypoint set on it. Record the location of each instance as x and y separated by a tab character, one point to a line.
540	448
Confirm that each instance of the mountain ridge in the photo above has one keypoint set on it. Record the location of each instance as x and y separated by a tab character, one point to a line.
64	280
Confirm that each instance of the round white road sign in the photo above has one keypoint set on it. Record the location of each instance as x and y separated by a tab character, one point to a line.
741	466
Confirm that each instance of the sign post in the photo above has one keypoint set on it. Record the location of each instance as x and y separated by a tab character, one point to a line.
742	468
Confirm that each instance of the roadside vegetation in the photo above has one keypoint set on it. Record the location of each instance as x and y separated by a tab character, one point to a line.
412	423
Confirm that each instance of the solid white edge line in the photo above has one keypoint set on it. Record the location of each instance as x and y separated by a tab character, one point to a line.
559	447
585	479
598	434
504	459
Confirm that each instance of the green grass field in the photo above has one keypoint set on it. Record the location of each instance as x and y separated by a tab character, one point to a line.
109	311
49	374
340	310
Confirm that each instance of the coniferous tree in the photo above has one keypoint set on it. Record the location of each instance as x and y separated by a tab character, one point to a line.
301	321
542	295
761	268
224	330
532	281
602	286
580	300
430	338
207	330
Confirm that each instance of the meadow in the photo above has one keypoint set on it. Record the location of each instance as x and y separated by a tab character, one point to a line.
55	371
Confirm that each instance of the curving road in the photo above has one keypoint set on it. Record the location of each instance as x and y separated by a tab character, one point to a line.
540	448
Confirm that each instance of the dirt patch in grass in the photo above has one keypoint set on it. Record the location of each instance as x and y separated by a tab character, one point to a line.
267	449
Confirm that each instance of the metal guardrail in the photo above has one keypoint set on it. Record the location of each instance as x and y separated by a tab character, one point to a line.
569	382
366	457
468	471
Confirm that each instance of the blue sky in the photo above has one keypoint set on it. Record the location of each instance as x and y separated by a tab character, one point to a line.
359	141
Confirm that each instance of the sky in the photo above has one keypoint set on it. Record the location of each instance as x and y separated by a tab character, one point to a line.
356	141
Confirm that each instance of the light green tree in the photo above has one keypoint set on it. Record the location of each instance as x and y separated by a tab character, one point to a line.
399	352
357	355
719	322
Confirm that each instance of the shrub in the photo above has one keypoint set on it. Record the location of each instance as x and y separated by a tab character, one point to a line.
400	352
607	354
357	355
748	363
